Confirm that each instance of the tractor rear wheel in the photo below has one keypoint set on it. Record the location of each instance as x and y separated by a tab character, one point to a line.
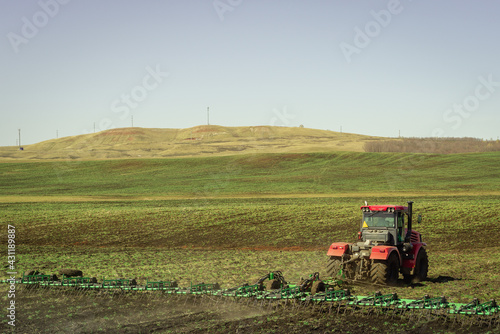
333	266
421	266
385	272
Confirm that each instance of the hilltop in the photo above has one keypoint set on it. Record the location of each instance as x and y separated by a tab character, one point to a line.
206	140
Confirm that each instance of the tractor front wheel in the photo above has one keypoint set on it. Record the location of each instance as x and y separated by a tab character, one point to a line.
421	266
385	272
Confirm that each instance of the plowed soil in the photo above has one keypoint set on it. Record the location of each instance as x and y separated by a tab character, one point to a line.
127	314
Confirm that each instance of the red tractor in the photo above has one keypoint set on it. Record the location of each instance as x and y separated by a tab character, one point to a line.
385	248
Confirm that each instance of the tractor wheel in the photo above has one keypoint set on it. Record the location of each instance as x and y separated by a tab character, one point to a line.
421	266
385	272
333	266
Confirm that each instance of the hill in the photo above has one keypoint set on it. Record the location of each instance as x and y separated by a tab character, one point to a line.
207	140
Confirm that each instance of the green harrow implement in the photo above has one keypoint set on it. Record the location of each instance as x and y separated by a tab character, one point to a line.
272	286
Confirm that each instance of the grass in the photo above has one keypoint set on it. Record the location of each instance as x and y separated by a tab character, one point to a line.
255	175
233	219
306	223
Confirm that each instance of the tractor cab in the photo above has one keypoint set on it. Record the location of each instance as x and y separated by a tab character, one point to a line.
383	224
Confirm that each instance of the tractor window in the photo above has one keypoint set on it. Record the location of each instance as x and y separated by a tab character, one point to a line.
379	219
401	220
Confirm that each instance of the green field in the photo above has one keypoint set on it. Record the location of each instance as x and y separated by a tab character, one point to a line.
232	219
257	175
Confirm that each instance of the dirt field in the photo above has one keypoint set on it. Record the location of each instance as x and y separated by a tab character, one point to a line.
73	312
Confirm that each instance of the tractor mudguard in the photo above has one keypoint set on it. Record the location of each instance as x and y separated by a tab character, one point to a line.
383	252
338	249
410	263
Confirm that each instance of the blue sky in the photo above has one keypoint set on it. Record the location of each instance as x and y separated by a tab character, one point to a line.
425	68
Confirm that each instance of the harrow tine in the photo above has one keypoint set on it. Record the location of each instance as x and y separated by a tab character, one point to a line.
294	297
476	307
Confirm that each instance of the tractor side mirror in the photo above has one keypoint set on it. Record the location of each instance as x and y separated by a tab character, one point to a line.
419	219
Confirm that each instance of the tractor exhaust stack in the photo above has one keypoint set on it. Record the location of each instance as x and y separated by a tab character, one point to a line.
410	221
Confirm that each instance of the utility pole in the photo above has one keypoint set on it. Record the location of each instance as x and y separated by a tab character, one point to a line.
57	134
208	115
19	137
